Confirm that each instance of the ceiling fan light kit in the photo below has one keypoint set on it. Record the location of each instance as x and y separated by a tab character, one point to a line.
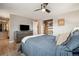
44	8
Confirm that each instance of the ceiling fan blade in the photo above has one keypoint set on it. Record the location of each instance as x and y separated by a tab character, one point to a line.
43	8
37	9
45	4
48	11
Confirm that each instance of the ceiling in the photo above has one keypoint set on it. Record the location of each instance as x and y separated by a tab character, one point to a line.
27	9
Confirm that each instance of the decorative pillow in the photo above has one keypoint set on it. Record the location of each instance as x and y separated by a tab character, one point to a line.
73	43
62	38
76	32
73	33
76	28
68	38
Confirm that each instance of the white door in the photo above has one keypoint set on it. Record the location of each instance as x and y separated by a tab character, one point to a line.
35	28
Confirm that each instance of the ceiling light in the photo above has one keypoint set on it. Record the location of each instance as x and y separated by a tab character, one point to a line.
43	10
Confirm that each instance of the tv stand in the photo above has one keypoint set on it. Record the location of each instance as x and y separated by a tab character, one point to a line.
19	35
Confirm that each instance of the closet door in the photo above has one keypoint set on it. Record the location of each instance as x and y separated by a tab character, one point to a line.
35	27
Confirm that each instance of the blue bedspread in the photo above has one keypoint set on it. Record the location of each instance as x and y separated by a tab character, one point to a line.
43	46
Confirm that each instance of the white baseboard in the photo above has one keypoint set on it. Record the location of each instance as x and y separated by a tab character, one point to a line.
11	41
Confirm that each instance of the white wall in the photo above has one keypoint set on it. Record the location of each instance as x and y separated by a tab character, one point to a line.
71	21
14	24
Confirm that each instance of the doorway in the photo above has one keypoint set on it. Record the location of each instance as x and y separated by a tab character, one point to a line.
4	22
48	26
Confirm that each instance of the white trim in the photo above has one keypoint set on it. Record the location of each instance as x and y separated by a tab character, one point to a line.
11	41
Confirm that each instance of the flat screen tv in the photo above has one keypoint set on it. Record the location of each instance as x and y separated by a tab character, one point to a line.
24	27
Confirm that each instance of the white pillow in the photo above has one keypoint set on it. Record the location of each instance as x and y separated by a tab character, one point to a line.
62	38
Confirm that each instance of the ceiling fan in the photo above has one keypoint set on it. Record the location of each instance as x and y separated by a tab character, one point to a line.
43	8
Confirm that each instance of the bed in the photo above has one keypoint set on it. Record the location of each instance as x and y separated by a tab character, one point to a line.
45	45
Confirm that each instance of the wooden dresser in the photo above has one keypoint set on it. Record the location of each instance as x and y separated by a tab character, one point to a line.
19	35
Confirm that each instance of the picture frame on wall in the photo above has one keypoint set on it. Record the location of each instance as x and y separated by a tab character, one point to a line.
61	22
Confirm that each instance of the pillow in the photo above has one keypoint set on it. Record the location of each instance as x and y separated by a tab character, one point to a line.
76	28
62	38
73	43
68	38
76	32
